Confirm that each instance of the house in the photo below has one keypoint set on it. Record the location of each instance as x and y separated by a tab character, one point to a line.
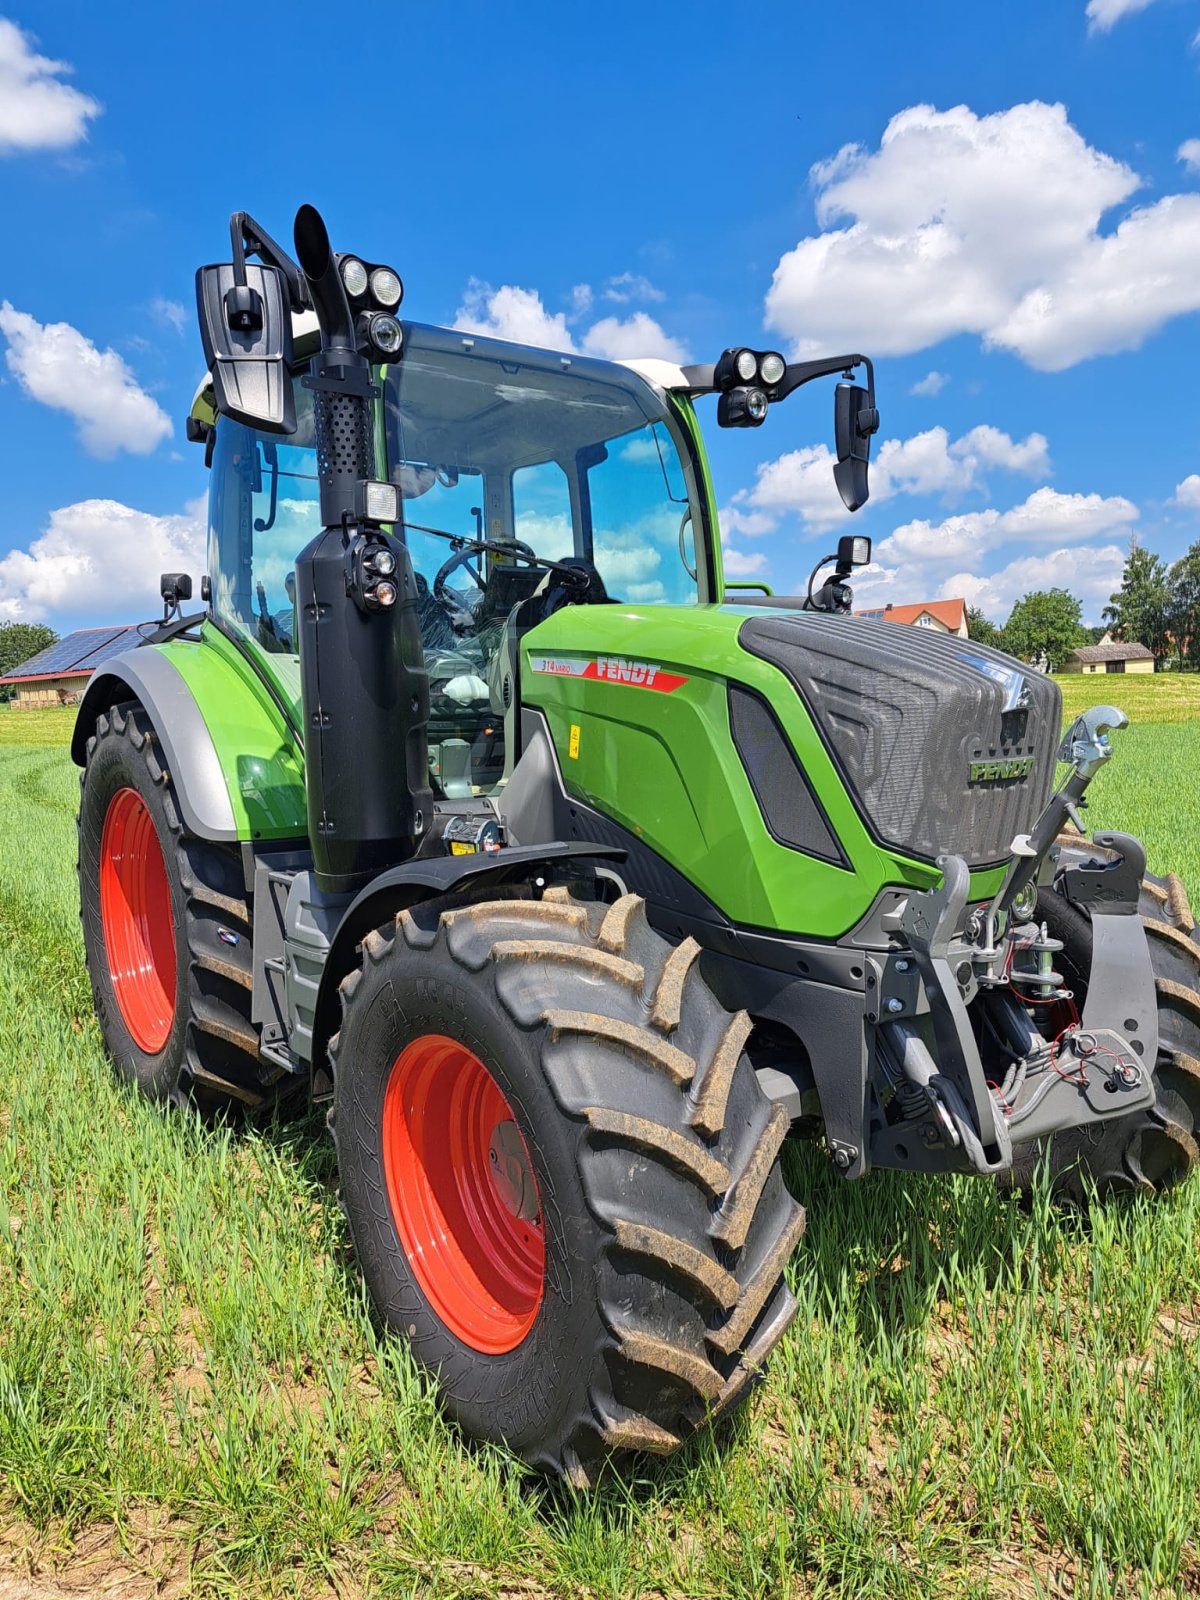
58	675
1110	656
943	616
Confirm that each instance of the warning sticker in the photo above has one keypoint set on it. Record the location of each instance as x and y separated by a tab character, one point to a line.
610	669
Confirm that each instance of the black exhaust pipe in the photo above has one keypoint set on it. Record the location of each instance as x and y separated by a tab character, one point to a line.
363	684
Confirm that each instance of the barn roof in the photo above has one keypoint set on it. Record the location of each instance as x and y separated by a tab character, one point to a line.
948	612
76	656
1113	652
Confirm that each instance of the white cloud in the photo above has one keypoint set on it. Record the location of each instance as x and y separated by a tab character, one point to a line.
1103	14
988	225
932	383
800	483
1187	493
169	312
511	312
1117	290
1189	154
636	336
54	363
628	286
37	110
1044	517
99	559
737	564
1092	574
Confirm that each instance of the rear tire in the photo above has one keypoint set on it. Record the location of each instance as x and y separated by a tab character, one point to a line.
659	1224
1150	1150
166	929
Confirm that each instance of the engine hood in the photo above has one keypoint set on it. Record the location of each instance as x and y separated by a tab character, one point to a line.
945	746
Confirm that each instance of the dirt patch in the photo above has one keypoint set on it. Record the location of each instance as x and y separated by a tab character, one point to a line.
142	1560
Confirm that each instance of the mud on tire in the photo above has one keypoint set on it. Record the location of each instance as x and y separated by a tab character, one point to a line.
1154	1149
208	1049
665	1220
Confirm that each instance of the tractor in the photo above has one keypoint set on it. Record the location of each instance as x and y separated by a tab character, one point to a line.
476	805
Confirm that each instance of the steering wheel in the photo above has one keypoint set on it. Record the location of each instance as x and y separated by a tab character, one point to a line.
460	558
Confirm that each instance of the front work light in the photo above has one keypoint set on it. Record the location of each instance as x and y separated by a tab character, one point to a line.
354	276
379	502
386	287
771	368
854	550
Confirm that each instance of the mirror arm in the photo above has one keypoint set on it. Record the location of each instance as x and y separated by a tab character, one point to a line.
248	238
701	379
801	372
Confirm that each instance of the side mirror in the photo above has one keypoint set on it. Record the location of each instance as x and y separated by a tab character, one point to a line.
246	330
855	419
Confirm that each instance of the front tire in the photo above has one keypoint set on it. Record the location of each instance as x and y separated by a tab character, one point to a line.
166	930
623	1281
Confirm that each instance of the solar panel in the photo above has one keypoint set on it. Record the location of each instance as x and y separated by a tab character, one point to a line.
78	652
123	639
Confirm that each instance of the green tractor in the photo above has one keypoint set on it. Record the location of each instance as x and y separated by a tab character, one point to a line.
477	804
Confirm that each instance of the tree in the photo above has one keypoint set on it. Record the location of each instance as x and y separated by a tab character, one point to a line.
1138	612
982	630
19	641
1183	609
1045	623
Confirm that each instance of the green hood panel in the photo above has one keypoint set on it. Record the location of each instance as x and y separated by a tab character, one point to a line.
637	703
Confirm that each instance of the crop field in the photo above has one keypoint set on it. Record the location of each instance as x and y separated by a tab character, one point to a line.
977	1397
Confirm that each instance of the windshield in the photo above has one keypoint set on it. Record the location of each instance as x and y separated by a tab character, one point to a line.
566	457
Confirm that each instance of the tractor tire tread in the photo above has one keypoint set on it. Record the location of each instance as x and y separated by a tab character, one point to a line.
677	1155
218	1063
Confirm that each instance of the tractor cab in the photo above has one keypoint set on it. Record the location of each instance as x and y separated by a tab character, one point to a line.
505	458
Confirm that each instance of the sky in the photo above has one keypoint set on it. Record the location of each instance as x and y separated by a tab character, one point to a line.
1000	204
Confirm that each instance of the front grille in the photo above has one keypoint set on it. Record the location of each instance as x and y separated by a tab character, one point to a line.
905	713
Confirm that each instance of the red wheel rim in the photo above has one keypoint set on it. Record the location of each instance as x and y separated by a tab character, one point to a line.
135	914
462	1193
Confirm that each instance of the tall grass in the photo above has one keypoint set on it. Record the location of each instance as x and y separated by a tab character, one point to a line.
976	1398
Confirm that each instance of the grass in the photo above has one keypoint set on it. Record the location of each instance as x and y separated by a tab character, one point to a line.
975	1400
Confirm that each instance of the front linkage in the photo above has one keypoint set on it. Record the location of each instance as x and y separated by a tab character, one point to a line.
976	1043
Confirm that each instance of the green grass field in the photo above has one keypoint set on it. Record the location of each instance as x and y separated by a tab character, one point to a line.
976	1399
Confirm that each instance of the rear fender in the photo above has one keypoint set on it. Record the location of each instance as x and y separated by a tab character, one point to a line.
149	676
236	766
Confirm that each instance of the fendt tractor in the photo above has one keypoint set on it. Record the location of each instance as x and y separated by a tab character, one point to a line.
478	804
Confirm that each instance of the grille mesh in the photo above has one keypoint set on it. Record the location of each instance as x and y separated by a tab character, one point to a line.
904	712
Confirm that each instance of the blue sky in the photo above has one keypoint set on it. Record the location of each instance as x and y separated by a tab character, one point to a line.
1001	203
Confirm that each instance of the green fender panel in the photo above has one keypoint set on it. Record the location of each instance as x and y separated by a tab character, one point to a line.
235	759
664	764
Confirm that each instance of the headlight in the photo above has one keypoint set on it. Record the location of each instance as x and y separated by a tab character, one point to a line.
745	365
386	333
385	594
384	563
354	276
386	287
756	405
771	367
